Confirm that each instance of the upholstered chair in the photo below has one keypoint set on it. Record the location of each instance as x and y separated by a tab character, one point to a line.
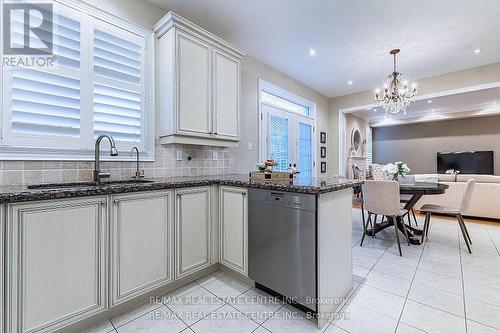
429	209
377	172
381	197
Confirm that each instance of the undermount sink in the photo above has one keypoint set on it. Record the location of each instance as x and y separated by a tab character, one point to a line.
86	184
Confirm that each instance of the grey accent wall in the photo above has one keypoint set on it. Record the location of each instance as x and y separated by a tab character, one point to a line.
417	144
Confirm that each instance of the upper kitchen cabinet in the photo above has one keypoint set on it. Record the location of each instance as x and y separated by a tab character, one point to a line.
198	85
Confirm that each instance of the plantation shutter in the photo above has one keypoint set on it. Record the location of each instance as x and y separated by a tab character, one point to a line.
118	97
369	146
46	102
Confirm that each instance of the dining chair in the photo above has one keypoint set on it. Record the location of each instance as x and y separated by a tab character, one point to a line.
376	172
429	209
381	197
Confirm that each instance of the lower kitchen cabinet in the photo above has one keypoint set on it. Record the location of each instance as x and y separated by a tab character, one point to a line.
192	230
56	263
233	217
141	243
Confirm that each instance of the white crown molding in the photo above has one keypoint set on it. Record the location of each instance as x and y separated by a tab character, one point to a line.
99	13
172	20
437	117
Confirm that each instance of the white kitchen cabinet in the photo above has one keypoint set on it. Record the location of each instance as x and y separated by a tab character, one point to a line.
141	243
226	104
193	86
56	263
192	230
233	216
198	83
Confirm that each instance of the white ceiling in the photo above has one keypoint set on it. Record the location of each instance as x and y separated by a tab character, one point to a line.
468	104
352	38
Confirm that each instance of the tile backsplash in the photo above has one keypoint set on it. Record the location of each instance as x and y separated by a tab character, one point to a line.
165	165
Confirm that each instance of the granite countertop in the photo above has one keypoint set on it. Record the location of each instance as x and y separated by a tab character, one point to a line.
10	194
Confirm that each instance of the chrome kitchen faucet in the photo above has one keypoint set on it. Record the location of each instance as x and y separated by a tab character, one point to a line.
98	174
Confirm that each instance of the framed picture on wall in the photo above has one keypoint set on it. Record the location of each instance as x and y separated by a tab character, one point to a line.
323	167
322	137
323	152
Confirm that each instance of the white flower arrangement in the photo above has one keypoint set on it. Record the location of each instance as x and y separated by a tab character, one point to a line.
396	169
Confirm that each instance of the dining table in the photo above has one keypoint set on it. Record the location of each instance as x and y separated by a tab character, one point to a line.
415	191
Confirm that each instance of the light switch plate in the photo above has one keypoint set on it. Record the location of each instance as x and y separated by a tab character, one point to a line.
250	146
214	156
179	155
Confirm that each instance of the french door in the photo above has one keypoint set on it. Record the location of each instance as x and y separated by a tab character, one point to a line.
288	138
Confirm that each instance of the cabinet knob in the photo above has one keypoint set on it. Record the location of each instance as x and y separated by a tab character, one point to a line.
244	193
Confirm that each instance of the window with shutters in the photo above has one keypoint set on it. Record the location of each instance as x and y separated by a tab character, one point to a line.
102	82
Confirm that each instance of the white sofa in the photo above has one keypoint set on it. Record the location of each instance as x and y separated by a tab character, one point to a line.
485	198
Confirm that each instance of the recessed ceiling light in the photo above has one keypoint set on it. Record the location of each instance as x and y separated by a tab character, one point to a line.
349	83
478	50
374	110
429	101
312	52
432	110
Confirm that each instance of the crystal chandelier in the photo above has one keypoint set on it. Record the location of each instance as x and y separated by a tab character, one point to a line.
397	95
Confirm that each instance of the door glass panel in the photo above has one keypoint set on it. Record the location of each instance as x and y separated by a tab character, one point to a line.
278	141
305	150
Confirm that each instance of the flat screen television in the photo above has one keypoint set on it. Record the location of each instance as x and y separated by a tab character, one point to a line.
467	162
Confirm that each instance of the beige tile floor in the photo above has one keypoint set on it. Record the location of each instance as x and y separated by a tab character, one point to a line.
437	287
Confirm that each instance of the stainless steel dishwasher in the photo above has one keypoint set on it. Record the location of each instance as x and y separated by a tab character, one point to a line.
282	244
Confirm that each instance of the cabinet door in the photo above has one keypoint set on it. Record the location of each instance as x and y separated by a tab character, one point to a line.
192	223
193	85
226	96
233	214
56	264
141	243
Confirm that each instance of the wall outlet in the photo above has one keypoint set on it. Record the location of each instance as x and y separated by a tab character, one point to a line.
215	156
250	146
179	155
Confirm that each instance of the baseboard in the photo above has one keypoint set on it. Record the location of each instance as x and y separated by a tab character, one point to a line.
236	274
139	300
